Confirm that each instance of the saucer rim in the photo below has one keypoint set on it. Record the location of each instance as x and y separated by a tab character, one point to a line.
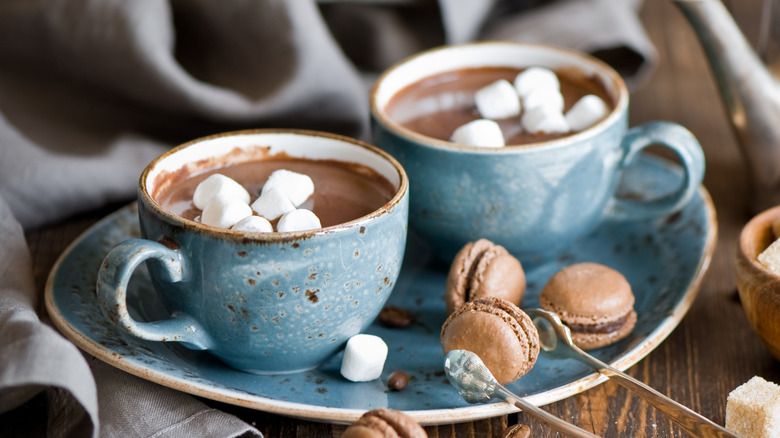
347	415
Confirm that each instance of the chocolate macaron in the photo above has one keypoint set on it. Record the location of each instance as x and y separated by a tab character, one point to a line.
594	301
381	423
497	331
482	269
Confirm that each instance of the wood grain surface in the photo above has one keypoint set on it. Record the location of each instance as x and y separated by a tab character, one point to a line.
710	353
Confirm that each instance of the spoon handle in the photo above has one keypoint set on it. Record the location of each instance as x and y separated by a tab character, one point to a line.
689	420
540	414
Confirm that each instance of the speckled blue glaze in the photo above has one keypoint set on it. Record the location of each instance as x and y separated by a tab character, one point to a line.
279	302
535	200
664	260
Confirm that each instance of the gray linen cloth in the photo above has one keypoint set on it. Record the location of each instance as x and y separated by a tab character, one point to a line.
92	90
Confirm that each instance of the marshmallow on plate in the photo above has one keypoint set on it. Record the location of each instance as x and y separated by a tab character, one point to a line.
497	100
218	186
480	132
296	186
224	213
364	358
253	224
272	203
586	112
544	119
535	78
298	220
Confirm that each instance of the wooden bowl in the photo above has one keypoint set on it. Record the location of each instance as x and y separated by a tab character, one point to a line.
759	288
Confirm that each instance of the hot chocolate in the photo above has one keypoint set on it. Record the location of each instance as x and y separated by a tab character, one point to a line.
437	105
343	192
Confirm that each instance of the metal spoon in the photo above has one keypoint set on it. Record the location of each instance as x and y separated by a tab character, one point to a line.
466	371
556	342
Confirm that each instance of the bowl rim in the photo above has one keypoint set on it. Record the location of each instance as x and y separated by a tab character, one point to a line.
747	248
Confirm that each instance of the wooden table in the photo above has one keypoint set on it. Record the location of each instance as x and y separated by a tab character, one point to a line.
710	353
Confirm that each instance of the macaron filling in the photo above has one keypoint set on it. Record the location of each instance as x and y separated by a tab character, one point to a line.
601	328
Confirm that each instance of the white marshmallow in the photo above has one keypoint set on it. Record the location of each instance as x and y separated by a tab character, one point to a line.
218	186
224	213
586	112
480	132
298	220
364	358
272	203
544	119
296	186
253	224
535	78
550	97
497	100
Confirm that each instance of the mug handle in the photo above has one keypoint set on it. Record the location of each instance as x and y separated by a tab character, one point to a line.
682	142
114	276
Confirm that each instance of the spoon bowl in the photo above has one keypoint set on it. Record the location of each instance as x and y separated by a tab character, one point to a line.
466	371
554	336
475	383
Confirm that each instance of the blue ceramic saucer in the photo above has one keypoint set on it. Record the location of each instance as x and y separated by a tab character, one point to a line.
663	259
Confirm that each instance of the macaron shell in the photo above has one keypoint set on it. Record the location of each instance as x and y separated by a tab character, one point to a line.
498	274
589	341
369	426
481	269
402	424
501	334
458	276
587	293
361	431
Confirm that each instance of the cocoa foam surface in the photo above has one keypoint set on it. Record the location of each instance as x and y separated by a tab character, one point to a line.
343	191
436	105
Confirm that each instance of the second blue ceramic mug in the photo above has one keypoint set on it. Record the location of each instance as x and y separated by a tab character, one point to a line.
534	199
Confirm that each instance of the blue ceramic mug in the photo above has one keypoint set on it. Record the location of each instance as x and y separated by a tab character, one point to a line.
534	199
261	302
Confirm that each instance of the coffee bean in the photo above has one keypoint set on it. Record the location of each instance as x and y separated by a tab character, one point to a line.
397	380
395	317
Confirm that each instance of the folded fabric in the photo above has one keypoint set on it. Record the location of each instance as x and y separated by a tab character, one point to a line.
28	347
34	358
126	403
92	90
606	29
375	36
